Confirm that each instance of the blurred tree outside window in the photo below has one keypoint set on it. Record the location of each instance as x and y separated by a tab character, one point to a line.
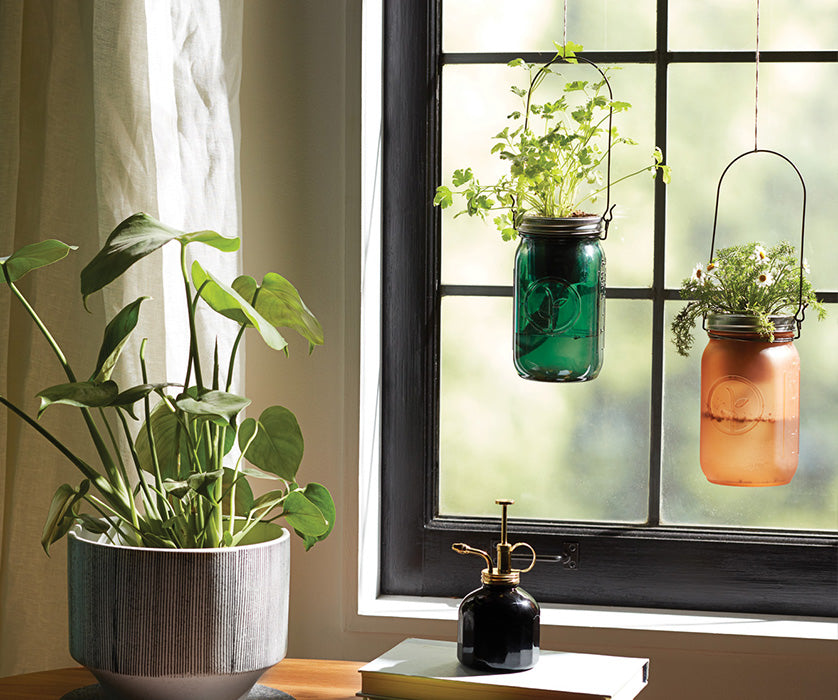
581	452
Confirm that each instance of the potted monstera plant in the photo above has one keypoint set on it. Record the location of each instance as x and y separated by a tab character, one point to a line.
751	301
178	574
559	158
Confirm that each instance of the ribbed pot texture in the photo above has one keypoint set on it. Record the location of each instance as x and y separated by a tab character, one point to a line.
164	623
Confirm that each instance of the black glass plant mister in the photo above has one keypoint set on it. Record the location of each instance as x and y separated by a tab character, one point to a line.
498	624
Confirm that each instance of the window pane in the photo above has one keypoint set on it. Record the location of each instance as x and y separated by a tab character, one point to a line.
711	111
562	451
533	25
713	25
475	102
810	501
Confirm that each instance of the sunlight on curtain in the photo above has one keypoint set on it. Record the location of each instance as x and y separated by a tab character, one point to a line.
105	109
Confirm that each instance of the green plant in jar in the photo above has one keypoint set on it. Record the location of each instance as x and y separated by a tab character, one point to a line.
552	149
747	279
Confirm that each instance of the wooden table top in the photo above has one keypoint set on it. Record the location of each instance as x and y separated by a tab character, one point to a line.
305	679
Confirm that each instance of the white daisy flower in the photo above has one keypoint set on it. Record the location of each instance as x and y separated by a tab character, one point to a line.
698	274
765	279
760	255
805	266
711	273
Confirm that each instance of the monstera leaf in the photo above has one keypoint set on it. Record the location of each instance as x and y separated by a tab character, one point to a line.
131	241
227	301
213	404
62	513
278	301
33	256
319	495
304	516
115	337
80	394
274	443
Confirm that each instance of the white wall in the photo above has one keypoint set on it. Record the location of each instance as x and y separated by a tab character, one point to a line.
301	191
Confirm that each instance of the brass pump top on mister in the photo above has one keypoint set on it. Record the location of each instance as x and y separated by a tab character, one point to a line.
503	573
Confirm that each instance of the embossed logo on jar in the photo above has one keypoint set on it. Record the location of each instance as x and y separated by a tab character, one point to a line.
734	404
552	305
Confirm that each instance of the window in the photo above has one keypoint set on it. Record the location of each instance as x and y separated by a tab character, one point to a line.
609	488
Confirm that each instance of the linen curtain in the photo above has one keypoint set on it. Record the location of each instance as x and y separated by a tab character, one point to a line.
106	108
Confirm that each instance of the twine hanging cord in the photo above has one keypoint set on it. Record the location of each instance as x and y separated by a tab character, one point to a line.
609	208
564	25
756	86
801	309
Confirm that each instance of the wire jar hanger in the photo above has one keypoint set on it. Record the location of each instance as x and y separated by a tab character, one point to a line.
800	313
608	214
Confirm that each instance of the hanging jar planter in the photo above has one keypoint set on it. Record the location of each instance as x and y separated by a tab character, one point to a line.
750	402
559	272
750	369
559	286
559	299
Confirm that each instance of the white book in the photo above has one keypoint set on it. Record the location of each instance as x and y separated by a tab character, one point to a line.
421	669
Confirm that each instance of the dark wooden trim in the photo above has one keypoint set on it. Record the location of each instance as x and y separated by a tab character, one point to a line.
466	58
643	565
648	567
410	94
501	290
658	268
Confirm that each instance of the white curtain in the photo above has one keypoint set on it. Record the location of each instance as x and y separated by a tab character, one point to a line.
106	108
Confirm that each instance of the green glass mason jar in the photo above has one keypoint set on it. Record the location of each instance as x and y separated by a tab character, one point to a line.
559	299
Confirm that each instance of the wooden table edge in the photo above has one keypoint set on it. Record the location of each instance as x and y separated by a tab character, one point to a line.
304	679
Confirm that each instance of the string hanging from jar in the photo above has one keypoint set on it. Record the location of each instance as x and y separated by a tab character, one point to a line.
756	85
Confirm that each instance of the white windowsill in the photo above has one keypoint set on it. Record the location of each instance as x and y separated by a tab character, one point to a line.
615	618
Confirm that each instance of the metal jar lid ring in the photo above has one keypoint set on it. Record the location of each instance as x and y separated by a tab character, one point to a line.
720	325
582	226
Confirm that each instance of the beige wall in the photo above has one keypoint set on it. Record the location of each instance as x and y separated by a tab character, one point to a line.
301	190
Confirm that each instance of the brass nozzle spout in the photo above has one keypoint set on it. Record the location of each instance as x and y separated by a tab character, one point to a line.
463	548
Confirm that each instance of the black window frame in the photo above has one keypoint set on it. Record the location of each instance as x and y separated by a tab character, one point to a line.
648	566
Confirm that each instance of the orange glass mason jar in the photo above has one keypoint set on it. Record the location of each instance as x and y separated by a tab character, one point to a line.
750	402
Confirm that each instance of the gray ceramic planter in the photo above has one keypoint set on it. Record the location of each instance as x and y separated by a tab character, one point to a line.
164	624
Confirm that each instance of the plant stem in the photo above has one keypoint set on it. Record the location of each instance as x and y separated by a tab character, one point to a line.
215	522
101	448
152	447
625	177
534	83
122	469
89	472
253	520
191	440
215	366
41	327
234	351
235	479
149	502
220	434
193	336
114	519
233	354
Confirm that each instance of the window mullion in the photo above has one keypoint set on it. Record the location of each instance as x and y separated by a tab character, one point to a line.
659	268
